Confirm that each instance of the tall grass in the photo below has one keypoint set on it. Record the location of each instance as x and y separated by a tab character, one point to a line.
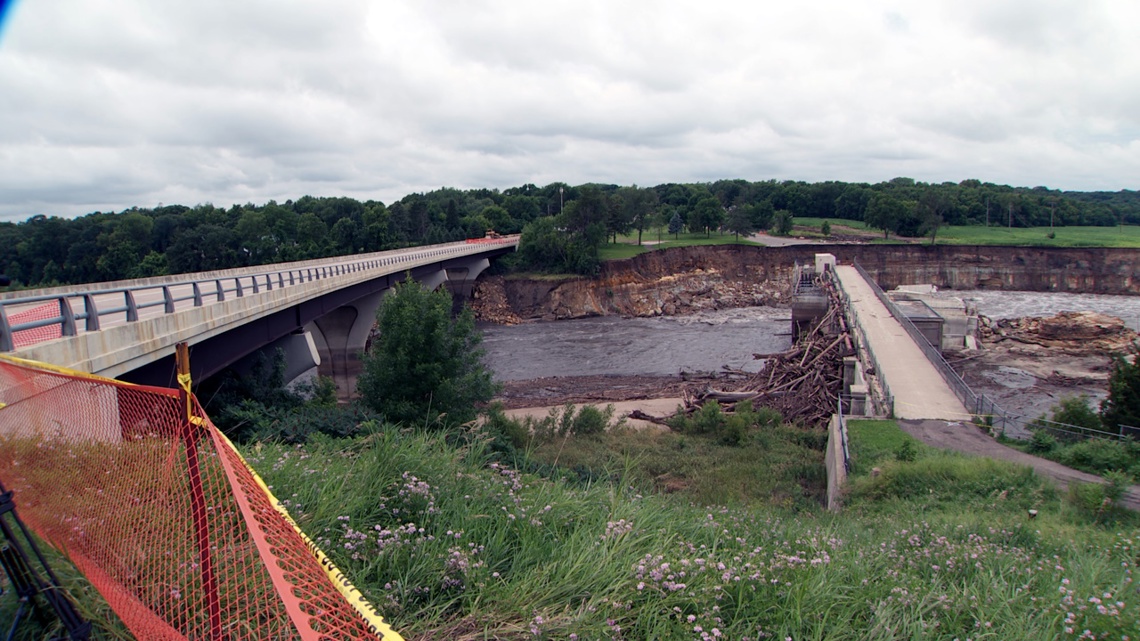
449	544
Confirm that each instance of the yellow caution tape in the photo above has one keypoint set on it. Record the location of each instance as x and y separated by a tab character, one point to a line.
16	360
357	600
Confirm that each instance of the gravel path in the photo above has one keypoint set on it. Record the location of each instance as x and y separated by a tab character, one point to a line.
966	438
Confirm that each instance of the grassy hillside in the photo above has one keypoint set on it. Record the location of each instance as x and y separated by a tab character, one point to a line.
451	542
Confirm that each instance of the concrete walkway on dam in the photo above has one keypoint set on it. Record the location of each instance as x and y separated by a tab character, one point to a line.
919	390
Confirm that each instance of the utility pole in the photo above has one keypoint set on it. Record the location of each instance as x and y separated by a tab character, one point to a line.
987	212
1010	223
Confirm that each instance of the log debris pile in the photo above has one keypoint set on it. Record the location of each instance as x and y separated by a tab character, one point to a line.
802	383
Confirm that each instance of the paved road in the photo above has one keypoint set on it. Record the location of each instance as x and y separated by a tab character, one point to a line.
780	241
918	388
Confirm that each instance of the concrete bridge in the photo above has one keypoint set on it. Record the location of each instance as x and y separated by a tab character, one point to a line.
906	365
320	311
897	372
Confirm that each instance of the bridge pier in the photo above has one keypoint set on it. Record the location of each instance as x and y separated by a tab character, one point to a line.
340	337
461	277
342	334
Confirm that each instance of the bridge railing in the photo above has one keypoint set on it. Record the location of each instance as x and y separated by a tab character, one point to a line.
883	404
978	405
25	320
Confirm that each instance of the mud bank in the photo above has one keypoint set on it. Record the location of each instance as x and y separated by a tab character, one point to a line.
688	279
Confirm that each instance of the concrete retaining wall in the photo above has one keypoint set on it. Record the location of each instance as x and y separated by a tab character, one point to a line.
835	462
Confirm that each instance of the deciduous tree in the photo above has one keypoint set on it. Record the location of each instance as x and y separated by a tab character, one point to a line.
425	368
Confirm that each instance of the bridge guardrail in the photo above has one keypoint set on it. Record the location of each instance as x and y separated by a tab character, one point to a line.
57	314
886	405
980	405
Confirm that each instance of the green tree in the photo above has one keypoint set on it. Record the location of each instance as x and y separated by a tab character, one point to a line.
1122	406
884	212
542	246
825	229
425	367
782	223
675	224
739	221
852	202
638	204
762	214
707	215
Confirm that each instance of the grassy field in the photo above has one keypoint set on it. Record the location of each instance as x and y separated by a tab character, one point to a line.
775	465
449	542
627	246
1127	236
809	228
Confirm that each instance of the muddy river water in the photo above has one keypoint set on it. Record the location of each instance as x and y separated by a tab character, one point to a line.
710	340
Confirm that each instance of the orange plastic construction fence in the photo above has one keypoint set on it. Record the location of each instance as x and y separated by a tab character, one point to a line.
164	517
26	337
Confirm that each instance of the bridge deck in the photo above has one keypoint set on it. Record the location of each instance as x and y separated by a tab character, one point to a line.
918	388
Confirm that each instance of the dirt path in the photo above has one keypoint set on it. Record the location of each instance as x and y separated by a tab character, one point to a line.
622	409
966	438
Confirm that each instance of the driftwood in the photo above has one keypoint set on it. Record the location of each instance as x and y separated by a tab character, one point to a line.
642	416
802	383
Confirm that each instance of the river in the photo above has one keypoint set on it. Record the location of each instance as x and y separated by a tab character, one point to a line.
710	340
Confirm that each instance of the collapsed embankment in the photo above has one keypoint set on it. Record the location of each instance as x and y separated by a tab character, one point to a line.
688	279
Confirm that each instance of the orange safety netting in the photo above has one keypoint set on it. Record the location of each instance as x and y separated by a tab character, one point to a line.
163	515
26	337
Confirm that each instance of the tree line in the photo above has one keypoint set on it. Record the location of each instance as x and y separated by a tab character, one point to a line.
565	224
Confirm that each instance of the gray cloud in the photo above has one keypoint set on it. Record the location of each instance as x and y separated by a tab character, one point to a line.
113	103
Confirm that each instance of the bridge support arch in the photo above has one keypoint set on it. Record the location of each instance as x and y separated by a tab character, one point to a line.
461	277
341	335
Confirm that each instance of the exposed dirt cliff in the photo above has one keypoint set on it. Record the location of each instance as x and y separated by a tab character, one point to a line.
655	284
687	279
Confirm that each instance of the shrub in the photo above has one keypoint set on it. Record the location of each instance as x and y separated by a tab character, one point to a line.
906	451
1042	442
706	420
1097	456
1075	410
589	419
505	432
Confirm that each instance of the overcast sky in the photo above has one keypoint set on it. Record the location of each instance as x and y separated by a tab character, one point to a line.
107	104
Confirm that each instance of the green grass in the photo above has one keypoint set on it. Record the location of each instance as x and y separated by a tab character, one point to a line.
780	466
1127	236
875	441
448	543
42	623
513	556
627	246
836	224
1094	455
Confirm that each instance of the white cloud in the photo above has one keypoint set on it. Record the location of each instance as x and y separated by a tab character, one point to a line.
114	103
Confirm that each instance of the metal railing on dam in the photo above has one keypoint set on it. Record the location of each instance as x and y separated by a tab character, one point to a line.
978	404
27	320
884	402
